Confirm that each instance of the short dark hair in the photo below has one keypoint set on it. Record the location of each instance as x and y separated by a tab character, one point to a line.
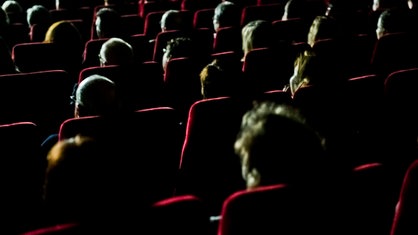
226	14
395	20
180	47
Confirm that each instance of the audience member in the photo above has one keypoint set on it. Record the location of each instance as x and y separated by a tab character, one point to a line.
313	69
172	20
217	80
393	20
14	11
77	182
294	9
108	23
116	51
41	17
323	27
256	34
178	47
96	95
276	146
139	86
226	14
68	40
381	5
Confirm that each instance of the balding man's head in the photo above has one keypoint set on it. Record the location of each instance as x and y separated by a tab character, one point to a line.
96	95
116	51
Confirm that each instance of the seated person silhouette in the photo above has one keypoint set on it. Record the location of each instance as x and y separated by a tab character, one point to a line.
78	184
172	20
116	51
68	40
218	80
41	17
269	145
256	34
178	47
14	10
393	20
95	95
226	14
108	23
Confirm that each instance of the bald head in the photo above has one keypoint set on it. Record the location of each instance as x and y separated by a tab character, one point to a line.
96	95
116	51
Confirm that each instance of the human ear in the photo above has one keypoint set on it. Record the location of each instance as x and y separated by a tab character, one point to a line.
252	178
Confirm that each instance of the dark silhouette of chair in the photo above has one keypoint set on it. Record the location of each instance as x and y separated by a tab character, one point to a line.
91	52
373	194
268	69
147	144
365	100
182	84
209	167
228	39
291	30
152	23
145	7
407	209
231	59
143	50
361	48
21	176
274	209
40	56
268	12
39	97
132	24
37	33
180	215
18	33
202	18
400	94
325	109
393	52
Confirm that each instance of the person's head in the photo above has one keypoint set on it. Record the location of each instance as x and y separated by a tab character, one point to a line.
381	5
38	14
178	47
225	15
412	4
215	81
63	32
108	23
96	95
172	20
12	7
116	51
393	20
323	27
68	4
75	178
256	34
294	9
277	146
312	68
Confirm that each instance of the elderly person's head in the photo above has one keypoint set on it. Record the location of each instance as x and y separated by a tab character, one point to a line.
116	51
